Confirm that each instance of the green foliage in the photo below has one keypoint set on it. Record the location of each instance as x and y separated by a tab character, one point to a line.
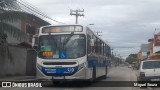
12	16
131	58
5	4
15	32
7	17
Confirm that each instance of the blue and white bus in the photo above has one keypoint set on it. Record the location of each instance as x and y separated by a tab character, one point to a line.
71	52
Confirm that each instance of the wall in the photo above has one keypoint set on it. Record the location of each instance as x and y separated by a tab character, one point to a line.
17	65
156	49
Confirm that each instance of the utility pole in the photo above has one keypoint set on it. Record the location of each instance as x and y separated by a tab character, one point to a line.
76	13
112	56
98	33
112	51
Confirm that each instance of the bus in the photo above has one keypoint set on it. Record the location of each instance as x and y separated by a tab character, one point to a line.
70	52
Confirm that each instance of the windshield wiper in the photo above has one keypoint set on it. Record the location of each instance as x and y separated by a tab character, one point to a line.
67	39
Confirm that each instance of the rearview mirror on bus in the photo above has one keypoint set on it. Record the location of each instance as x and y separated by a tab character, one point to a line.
34	46
92	42
33	42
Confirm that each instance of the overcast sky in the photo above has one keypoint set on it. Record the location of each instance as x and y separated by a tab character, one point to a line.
125	24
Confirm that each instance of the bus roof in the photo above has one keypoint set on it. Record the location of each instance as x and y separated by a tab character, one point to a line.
77	25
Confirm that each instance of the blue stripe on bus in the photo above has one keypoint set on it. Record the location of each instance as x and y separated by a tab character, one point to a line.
98	62
59	71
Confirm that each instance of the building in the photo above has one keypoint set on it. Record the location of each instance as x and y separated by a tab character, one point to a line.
156	44
154	47
15	59
29	26
144	51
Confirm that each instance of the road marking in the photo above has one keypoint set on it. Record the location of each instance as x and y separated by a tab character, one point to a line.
149	88
68	89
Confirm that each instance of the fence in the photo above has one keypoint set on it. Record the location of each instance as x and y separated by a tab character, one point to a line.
16	60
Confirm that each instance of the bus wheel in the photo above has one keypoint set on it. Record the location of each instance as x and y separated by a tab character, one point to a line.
106	71
94	73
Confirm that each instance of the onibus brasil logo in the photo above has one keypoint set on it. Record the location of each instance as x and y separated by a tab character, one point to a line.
19	84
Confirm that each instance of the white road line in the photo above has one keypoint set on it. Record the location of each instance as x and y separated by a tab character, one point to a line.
149	88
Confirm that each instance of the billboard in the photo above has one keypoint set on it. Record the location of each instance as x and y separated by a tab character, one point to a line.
157	40
139	55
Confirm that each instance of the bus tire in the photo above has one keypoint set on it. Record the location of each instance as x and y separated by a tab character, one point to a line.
94	74
106	72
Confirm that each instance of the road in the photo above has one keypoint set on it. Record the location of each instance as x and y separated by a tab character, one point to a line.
120	73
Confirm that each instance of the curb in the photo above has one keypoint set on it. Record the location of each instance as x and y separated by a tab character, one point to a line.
18	78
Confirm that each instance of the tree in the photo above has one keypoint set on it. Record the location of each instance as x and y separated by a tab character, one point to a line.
131	58
8	17
9	13
9	5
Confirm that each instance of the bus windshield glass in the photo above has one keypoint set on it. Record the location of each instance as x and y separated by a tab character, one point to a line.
68	46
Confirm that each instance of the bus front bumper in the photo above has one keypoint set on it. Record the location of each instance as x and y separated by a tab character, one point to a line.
79	75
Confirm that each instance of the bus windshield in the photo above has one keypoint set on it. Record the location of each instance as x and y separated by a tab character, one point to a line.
68	46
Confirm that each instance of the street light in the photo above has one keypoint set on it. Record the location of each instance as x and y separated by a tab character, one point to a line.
156	30
90	24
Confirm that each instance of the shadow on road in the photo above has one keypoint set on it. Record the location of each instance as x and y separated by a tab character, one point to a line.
73	83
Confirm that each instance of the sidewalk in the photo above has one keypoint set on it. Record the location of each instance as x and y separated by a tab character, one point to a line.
18	78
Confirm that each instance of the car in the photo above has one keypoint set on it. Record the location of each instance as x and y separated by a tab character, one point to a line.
149	70
129	66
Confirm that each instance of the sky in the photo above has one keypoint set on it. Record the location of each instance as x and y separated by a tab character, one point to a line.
125	24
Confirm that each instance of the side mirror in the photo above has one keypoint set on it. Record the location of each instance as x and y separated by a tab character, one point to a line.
92	42
33	42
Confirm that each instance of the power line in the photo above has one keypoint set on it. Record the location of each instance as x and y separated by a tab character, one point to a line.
17	8
98	33
33	7
36	11
20	9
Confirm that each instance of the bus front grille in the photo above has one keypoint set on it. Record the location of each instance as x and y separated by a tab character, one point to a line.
59	63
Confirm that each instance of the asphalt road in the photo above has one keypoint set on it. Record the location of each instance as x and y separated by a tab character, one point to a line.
120	73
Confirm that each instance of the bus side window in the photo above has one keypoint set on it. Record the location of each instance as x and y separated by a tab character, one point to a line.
96	46
88	44
102	48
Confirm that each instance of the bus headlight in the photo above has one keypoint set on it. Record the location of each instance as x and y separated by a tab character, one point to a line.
81	66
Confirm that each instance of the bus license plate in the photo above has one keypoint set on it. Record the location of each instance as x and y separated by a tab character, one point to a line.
58	77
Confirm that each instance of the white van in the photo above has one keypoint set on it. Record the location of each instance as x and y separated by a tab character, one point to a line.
149	70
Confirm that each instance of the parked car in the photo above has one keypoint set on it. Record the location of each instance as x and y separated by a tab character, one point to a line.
149	70
129	66
136	66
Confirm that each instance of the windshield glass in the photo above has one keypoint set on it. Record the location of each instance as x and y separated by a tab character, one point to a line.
151	64
68	46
